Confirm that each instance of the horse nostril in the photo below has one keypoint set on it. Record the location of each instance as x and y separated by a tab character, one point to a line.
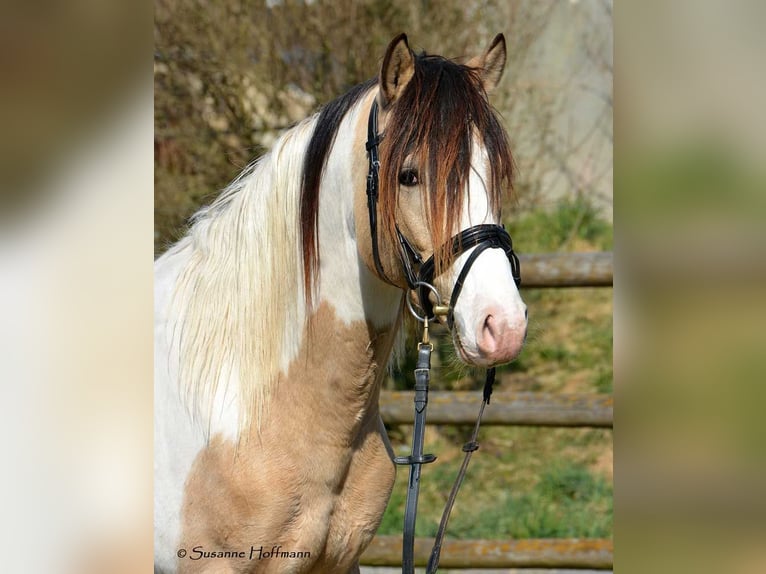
490	326
488	340
526	313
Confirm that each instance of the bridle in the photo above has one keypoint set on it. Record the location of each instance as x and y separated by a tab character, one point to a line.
481	237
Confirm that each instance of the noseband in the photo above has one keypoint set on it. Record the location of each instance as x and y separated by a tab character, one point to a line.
482	237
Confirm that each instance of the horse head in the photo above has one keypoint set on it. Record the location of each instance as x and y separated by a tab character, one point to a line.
439	165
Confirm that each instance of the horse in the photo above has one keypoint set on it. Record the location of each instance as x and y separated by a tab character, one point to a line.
277	313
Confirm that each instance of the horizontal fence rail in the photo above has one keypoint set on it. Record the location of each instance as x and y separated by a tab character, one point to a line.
596	553
566	269
530	409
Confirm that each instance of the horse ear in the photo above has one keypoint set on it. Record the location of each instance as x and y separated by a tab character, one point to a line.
491	64
397	70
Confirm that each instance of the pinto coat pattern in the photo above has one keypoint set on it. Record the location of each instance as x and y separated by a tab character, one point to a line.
273	329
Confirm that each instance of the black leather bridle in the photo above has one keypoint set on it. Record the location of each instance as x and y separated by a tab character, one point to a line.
481	237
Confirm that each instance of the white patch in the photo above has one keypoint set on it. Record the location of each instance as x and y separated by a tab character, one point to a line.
177	441
489	286
345	281
210	295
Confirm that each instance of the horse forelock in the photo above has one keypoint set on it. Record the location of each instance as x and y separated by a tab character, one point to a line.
433	125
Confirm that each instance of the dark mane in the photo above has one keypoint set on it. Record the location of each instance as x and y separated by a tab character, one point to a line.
313	166
432	124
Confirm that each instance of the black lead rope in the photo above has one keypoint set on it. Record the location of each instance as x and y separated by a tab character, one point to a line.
468	448
417	458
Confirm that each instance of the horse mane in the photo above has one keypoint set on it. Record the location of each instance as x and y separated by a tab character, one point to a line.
322	138
241	285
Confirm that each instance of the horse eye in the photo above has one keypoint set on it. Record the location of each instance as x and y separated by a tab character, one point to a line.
408	178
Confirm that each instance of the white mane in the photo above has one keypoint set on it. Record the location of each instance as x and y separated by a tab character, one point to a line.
243	284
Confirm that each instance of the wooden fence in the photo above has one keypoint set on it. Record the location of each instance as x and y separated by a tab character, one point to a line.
567	270
535	409
595	554
529	409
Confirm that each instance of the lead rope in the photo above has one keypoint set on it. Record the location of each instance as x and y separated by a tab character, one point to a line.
468	448
417	459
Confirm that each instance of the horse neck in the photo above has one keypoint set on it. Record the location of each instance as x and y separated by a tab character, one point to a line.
334	355
345	281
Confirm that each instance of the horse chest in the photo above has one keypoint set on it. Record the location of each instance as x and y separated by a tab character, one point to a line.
297	521
359	507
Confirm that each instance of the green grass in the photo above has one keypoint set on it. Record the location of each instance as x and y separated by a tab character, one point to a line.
562	504
571	221
526	482
511	489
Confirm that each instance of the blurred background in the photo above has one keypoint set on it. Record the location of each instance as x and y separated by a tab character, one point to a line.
690	306
79	226
76	286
